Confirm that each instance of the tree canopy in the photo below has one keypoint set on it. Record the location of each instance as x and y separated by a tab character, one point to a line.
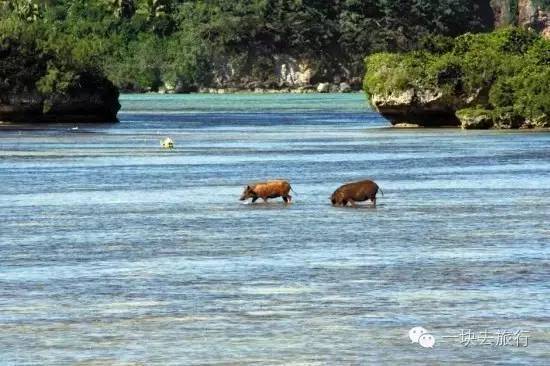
145	44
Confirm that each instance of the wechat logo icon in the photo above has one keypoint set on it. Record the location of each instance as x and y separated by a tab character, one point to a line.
421	336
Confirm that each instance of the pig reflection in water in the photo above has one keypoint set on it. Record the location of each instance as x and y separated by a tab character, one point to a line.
266	190
355	192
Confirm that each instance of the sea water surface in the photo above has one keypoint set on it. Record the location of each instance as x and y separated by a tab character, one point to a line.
116	252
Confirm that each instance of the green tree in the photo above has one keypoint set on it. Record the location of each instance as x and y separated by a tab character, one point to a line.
28	10
124	9
153	9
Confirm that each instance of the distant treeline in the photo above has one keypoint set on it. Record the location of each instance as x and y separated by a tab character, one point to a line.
146	44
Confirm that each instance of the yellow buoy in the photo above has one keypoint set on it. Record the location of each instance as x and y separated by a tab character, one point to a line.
167	143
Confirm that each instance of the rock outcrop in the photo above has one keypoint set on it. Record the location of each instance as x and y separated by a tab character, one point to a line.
478	118
473	119
293	72
344	87
37	87
279	73
95	102
428	108
323	87
525	13
414	107
468	85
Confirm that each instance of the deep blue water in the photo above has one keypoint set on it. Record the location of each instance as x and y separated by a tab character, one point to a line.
115	252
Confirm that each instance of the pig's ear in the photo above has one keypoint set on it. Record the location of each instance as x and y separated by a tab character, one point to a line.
247	188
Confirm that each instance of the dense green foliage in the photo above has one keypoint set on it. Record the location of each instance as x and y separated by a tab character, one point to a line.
506	72
145	44
29	66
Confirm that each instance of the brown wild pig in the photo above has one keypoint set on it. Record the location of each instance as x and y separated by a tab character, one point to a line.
269	189
355	192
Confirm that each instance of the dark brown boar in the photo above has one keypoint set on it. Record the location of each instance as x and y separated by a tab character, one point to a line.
355	192
266	190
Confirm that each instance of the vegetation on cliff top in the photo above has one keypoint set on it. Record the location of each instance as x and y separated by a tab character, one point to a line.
505	73
39	81
148	44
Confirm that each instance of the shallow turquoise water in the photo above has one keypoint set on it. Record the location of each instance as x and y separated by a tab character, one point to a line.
113	251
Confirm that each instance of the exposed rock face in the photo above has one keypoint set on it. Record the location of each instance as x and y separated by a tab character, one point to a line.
323	87
345	88
406	125
542	22
430	108
503	12
474	119
531	15
508	120
525	13
540	122
423	108
293	72
283	73
173	87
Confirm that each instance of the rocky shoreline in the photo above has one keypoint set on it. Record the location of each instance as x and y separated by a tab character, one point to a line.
84	105
431	109
323	87
416	108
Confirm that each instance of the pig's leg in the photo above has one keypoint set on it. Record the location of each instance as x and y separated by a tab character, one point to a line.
285	199
254	199
265	199
373	199
352	203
